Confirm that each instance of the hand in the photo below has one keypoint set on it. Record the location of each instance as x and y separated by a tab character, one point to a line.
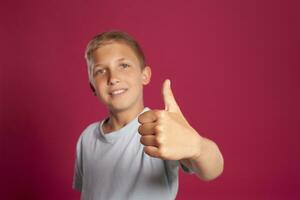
166	134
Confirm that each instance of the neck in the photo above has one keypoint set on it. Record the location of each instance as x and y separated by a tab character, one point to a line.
118	119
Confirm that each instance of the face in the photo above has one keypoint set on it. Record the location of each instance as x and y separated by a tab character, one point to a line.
118	77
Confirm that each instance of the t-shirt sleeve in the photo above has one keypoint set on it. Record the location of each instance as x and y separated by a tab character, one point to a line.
186	169
77	178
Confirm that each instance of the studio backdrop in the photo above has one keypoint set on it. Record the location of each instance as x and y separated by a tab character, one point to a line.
234	67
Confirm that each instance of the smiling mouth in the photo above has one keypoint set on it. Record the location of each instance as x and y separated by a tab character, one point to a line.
117	92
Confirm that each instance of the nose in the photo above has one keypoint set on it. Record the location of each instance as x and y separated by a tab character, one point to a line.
113	78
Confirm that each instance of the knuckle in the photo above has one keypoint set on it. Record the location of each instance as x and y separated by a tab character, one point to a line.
159	114
140	130
142	140
162	152
146	150
159	128
162	114
140	118
159	140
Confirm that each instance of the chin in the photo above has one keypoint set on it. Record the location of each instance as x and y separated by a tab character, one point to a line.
118	108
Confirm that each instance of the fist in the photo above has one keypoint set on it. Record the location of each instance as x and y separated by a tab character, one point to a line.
166	134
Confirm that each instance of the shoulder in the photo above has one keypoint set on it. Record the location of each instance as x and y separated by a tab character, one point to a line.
90	128
89	132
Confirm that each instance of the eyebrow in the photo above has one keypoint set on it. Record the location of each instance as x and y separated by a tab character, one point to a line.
121	59
100	64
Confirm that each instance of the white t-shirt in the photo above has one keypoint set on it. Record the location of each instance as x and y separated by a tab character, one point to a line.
114	166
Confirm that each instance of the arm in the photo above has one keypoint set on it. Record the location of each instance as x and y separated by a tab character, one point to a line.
166	134
77	177
208	163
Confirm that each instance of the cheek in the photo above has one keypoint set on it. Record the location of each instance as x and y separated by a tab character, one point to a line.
135	77
99	85
136	82
138	86
99	81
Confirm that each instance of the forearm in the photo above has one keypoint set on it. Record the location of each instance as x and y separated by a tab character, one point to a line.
209	163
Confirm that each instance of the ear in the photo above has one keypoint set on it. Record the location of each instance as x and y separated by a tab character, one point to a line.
146	75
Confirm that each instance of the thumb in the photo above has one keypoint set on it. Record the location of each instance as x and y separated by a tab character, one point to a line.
169	100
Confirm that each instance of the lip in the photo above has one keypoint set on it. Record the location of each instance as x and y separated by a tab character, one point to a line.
118	91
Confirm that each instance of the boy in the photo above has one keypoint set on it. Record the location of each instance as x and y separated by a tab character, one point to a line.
135	152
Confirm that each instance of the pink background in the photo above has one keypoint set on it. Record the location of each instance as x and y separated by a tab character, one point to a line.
234	67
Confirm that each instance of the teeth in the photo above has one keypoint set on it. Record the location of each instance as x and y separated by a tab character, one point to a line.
118	91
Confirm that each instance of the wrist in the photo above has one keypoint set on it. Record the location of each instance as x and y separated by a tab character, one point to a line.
198	148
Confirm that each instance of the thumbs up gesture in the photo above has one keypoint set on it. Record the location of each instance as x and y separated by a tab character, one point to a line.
166	134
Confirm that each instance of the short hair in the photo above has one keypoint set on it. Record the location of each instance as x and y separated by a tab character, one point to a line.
111	36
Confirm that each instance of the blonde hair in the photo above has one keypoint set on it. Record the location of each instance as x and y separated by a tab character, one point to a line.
106	37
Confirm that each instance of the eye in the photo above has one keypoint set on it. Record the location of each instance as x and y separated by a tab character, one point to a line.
99	71
124	65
